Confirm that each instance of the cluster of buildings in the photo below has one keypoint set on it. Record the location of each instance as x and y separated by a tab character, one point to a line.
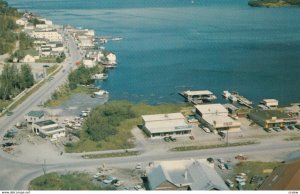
43	127
47	39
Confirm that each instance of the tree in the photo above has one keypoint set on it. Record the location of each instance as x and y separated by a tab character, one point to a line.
27	79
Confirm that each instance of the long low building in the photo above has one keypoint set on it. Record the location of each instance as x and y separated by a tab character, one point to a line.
162	125
49	128
215	116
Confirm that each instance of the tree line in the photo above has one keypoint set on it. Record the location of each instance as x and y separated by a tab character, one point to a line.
14	80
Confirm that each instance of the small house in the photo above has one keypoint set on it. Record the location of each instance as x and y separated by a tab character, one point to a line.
49	129
34	116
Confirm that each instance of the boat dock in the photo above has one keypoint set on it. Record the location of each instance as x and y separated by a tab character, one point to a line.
198	97
240	99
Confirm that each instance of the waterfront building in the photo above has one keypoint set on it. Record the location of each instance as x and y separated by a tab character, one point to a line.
164	125
270	103
271	118
48	128
183	175
215	117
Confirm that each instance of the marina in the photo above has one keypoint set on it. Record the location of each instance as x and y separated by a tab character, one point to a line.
235	97
198	97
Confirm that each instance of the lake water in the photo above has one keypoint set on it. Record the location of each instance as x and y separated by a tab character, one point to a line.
173	45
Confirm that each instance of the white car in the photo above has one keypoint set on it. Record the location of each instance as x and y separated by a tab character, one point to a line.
138	166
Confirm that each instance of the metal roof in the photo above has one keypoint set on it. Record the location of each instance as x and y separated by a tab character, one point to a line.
211	109
38	114
197	174
162	117
199	92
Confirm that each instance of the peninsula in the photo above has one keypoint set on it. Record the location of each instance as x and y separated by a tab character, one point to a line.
274	3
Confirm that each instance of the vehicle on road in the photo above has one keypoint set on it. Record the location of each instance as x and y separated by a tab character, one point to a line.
167	139
240	157
9	113
206	129
138	166
221	166
229	183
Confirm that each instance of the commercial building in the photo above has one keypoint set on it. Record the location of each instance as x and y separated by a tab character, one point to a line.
51	35
284	177
162	125
183	175
271	118
34	116
48	128
215	117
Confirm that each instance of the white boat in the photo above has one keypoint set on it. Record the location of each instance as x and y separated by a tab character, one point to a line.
116	39
226	94
100	94
232	98
100	76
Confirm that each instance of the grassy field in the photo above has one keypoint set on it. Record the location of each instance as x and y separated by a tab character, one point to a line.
64	93
69	181
252	168
110	155
123	139
201	147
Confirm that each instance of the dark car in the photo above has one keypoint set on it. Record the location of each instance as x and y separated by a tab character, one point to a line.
222	134
172	138
192	138
210	160
268	130
290	127
167	139
297	126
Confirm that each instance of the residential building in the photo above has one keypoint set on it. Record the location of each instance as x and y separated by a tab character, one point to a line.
50	34
183	175
112	59
215	117
162	125
31	56
89	63
284	177
34	116
48	128
271	118
21	21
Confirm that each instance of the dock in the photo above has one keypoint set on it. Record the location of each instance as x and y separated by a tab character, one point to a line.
198	97
240	99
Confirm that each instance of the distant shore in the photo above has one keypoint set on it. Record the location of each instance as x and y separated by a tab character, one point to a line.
274	3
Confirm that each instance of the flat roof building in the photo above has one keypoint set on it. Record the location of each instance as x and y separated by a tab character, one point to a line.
183	175
34	116
48	128
270	103
162	125
271	118
215	116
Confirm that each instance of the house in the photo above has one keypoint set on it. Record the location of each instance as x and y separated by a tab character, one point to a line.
34	116
162	125
284	177
89	63
215	117
183	175
48	128
271	118
112	59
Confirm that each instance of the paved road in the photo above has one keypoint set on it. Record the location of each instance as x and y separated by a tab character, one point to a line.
44	93
17	175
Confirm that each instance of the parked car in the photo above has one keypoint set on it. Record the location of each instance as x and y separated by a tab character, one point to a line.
229	183
206	129
9	113
228	166
210	160
109	179
290	127
277	129
268	130
222	134
297	126
172	138
191	137
166	139
138	166
221	166
221	160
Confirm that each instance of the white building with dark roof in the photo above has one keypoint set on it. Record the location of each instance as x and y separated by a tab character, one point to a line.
49	128
183	175
162	125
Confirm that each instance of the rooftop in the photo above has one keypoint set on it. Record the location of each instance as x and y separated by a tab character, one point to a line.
45	123
163	117
199	92
197	174
268	114
284	177
211	108
270	100
38	114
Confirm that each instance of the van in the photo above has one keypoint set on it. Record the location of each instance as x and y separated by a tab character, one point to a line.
229	183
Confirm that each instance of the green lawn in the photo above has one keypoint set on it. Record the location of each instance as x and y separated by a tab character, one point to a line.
123	138
68	181
252	168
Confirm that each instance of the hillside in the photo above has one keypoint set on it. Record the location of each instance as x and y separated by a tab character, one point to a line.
273	3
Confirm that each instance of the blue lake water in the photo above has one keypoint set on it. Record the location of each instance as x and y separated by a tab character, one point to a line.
175	45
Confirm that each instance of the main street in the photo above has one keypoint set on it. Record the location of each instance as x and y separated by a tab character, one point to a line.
44	93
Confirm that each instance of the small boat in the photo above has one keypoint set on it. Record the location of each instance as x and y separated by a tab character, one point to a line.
100	76
226	94
116	39
233	98
100	94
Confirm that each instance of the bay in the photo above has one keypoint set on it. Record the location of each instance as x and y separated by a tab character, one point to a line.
173	45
